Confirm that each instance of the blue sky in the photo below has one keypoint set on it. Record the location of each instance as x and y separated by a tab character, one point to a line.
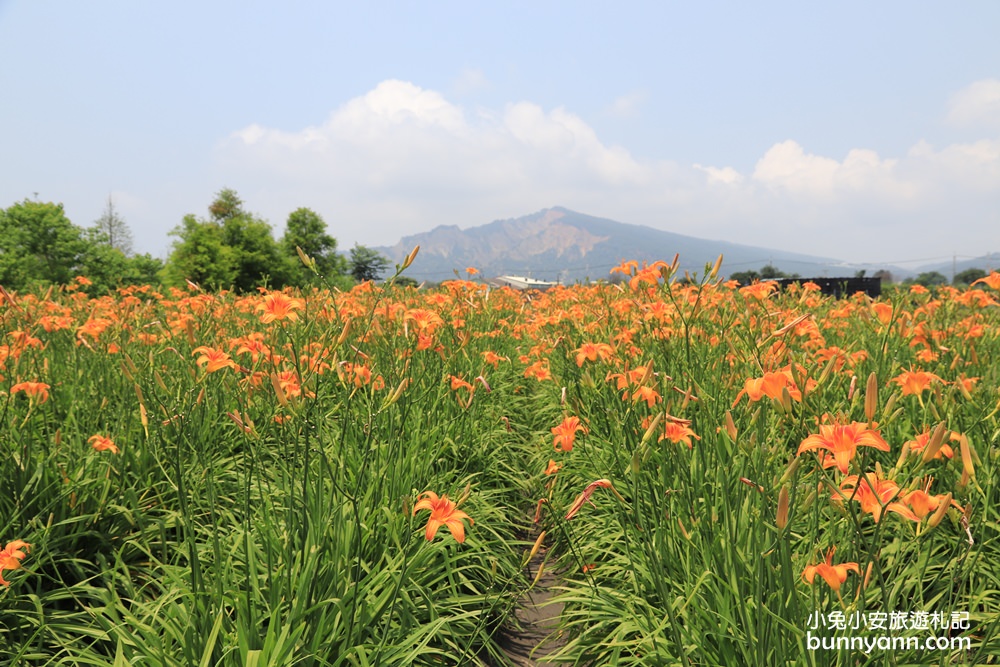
856	130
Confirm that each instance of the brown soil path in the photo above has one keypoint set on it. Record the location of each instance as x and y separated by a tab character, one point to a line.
538	635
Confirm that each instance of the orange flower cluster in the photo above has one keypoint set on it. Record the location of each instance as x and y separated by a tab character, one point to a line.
11	557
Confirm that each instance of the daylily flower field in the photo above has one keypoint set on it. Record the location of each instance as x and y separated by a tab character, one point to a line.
359	478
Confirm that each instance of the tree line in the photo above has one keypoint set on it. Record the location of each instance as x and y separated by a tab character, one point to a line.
927	279
231	248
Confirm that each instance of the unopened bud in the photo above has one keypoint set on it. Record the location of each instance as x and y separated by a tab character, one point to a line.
790	470
409	258
538	575
782	519
399	391
278	391
940	511
871	397
935	443
344	332
827	370
648	435
903	454
731	426
889	405
466	492
967	455
715	268
810	499
684	532
306	260
538	545
786	401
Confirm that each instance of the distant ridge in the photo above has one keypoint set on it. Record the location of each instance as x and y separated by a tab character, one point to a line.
562	245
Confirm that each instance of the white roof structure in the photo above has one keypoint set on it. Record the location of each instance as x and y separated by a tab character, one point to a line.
521	282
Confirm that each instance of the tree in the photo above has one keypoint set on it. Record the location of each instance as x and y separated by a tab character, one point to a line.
745	277
883	275
367	264
771	272
305	229
38	244
255	253
233	248
968	276
115	229
108	267
199	255
931	279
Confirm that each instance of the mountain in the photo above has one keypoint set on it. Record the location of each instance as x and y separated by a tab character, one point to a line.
561	245
988	262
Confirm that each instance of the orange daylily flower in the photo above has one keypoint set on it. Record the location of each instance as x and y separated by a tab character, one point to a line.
883	311
212	359
458	383
874	500
552	468
915	382
493	358
593	352
833	575
35	390
443	513
993	280
538	370
280	306
842	441
678	432
11	557
425	320
565	433
923	503
918	444
290	384
102	443
589	491
648	394
769	385
759	291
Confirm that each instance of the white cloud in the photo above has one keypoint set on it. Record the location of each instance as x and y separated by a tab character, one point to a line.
787	166
977	104
724	175
470	80
627	106
402	159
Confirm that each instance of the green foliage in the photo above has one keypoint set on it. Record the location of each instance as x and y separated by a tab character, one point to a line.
406	281
108	267
233	248
367	264
305	229
931	279
767	272
38	245
968	276
200	255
